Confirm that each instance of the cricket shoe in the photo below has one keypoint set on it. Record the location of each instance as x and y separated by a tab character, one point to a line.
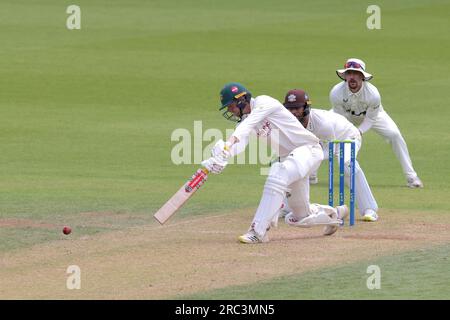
341	214
251	238
370	215
414	182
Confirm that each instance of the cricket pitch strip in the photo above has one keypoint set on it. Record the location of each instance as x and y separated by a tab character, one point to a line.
190	255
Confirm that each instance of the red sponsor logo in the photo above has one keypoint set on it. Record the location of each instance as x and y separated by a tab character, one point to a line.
234	89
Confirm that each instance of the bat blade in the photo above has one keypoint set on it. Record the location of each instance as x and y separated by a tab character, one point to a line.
173	205
181	196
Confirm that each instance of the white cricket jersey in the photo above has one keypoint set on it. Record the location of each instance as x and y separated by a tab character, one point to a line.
328	125
282	130
361	108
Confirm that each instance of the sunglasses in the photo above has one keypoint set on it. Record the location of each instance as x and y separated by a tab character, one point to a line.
353	64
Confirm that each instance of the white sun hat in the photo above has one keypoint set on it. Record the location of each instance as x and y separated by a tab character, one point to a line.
356	65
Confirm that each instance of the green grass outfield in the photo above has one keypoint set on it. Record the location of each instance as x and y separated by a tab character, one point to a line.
86	116
399	279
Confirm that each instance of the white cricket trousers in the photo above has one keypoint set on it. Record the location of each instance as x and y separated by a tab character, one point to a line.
363	194
386	128
290	175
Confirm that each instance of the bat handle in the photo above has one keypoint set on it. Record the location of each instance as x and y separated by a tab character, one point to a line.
197	180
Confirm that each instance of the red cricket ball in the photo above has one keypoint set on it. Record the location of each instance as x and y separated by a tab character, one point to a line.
67	230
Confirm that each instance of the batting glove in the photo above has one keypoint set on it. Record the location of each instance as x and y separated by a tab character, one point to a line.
221	151
214	165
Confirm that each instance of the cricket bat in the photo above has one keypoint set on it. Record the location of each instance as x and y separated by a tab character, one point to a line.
181	196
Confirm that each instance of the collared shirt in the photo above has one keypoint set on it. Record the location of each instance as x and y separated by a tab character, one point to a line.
361	108
282	130
328	125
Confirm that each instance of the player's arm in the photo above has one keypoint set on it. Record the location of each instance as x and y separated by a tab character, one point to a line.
328	126
258	114
238	147
336	102
215	164
371	113
327	134
222	151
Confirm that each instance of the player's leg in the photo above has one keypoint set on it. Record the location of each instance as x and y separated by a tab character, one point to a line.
306	160
304	214
275	188
299	164
387	128
365	200
286	208
317	214
299	200
313	177
281	175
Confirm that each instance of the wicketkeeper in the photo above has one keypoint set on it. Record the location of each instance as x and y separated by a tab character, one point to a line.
328	126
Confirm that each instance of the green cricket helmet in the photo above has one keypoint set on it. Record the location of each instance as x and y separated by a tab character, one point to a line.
234	92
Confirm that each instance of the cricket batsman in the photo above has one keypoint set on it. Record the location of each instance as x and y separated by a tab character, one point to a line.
300	154
328	126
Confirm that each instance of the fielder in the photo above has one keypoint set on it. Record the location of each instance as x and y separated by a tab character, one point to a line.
360	102
299	149
327	126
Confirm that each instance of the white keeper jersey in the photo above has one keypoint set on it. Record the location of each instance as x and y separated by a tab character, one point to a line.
361	108
328	125
271	120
